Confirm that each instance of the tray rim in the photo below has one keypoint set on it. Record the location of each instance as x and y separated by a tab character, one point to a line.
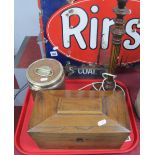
75	152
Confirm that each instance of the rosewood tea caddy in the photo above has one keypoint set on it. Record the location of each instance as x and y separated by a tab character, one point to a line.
65	119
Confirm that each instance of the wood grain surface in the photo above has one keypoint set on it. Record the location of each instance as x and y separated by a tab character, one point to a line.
69	119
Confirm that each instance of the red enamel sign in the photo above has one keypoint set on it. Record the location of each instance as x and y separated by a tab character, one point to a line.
78	30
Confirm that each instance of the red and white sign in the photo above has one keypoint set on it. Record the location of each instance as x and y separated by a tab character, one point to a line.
78	30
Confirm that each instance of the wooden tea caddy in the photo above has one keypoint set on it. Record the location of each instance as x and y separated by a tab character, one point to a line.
65	119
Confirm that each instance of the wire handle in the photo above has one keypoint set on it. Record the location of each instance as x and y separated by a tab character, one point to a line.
44	71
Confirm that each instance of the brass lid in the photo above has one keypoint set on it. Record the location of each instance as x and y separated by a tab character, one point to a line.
45	73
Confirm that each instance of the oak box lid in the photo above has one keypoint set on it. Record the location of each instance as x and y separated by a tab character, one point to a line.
79	112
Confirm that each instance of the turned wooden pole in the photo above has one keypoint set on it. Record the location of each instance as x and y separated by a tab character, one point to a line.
117	33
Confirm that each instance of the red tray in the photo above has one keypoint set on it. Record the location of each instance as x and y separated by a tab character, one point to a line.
26	145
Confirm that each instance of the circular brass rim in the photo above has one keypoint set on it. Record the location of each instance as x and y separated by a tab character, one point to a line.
60	76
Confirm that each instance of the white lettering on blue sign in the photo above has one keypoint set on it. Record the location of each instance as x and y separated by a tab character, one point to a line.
85	71
54	53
